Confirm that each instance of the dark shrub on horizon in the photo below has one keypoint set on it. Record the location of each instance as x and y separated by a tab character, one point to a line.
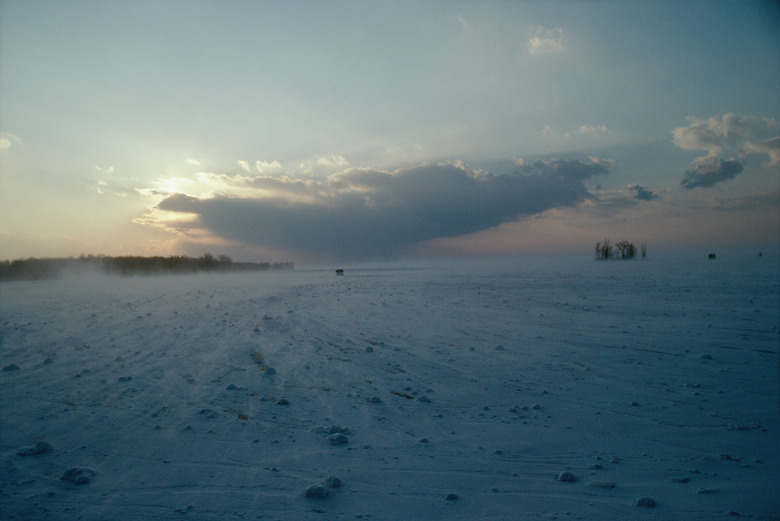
37	269
622	250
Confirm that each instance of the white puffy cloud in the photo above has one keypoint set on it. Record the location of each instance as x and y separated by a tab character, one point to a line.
592	130
736	134
267	166
7	140
324	165
333	160
732	131
545	41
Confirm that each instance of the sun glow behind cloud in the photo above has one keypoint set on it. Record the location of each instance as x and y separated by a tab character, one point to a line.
365	213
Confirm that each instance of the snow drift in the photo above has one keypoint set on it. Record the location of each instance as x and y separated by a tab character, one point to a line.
516	391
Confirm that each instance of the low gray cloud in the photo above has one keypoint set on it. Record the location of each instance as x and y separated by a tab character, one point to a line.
710	170
750	203
642	193
366	213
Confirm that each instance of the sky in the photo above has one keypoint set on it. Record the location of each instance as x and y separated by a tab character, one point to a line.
340	131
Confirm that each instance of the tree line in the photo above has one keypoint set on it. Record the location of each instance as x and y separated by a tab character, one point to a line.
621	250
36	269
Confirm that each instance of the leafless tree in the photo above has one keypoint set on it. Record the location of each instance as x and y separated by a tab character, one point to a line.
625	250
604	250
621	250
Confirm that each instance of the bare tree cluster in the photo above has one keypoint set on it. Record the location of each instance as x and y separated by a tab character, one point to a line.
622	250
32	268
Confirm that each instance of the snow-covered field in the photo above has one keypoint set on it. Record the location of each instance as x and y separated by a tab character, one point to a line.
532	389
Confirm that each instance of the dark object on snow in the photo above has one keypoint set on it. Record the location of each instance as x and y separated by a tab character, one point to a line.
339	272
451	497
712	256
646	502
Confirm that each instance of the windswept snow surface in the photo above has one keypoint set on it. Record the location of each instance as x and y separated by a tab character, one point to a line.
519	390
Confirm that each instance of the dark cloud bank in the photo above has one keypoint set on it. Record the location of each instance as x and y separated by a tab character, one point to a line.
642	193
364	213
708	171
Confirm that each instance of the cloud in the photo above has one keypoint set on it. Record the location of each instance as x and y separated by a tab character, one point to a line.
7	140
592	130
642	193
709	171
750	203
244	165
464	23
324	165
267	166
367	213
585	129
193	162
333	160
545	41
737	134
770	147
714	134
602	161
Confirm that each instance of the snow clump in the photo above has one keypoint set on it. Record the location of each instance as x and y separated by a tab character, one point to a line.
566	476
39	448
78	475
